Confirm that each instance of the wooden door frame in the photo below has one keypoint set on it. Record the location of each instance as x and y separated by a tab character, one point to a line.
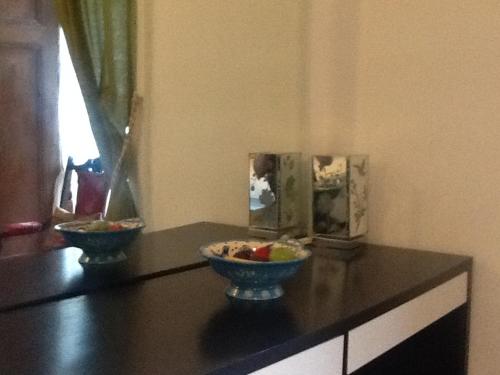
37	30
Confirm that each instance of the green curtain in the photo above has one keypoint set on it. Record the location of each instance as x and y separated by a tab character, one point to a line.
101	40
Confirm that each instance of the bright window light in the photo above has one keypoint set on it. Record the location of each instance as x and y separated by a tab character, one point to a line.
75	135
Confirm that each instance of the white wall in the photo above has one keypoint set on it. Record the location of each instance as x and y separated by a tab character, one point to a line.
221	78
416	85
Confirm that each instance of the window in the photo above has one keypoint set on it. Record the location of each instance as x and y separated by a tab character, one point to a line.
75	135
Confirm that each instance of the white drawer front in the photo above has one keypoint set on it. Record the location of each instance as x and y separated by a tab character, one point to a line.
322	359
377	336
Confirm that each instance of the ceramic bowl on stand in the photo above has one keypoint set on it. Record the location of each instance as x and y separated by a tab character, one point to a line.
253	280
100	246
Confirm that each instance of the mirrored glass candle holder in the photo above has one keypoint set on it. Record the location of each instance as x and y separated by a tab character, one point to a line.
274	197
340	199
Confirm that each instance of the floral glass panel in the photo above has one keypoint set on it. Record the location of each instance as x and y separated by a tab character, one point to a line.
273	190
340	195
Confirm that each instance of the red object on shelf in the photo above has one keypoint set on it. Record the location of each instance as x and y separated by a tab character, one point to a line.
18	229
92	193
92	188
9	232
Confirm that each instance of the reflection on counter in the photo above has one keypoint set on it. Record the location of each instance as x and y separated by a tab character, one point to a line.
245	326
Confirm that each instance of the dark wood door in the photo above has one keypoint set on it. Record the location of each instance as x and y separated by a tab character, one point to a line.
29	156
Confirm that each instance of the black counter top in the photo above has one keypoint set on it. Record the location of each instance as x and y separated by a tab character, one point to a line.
183	323
27	280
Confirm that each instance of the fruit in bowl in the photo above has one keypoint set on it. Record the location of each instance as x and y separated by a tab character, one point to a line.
267	253
102	241
255	268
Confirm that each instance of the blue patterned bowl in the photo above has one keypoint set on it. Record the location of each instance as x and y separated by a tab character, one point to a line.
252	280
100	247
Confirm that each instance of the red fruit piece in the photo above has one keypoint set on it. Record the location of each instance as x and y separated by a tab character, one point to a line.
261	254
115	227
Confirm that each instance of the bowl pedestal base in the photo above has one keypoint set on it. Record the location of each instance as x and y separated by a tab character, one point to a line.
90	259
253	293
